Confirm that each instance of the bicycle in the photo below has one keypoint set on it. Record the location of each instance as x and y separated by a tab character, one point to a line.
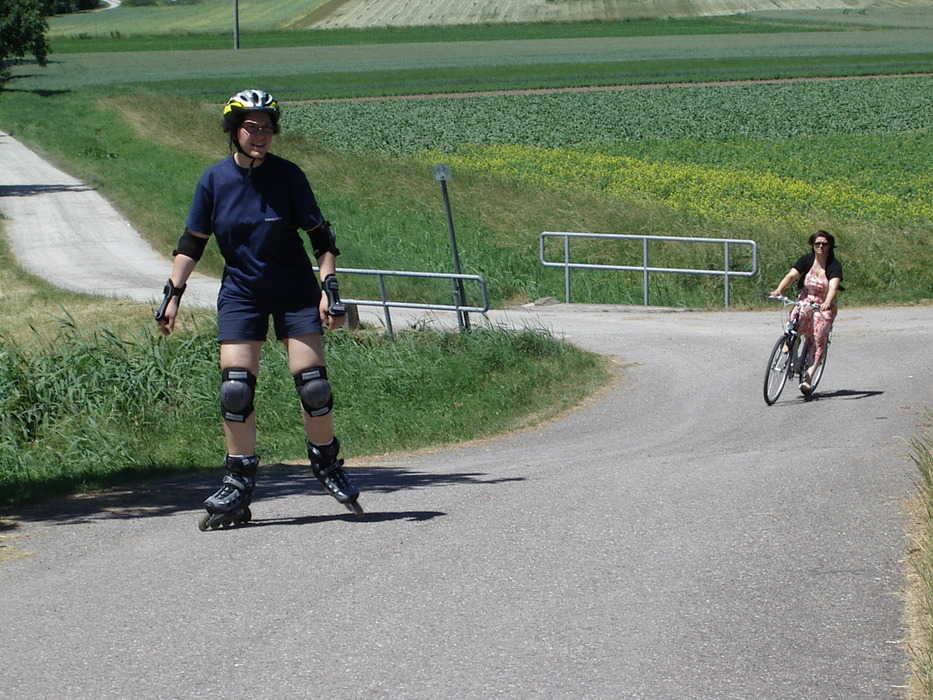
789	356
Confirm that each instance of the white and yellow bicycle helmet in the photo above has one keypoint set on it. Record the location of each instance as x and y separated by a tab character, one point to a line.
252	101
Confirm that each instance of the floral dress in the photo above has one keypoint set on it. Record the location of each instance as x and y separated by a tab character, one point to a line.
815	324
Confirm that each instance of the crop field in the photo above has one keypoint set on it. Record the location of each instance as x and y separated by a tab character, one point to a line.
855	149
588	60
365	13
216	16
183	17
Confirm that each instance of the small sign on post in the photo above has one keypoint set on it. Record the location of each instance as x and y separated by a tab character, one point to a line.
442	172
442	175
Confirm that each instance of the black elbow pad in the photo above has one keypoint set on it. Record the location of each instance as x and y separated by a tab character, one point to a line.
190	245
323	240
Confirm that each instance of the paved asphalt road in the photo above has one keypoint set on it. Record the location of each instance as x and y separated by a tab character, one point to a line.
674	538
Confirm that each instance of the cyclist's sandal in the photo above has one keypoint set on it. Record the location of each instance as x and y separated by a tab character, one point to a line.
805	388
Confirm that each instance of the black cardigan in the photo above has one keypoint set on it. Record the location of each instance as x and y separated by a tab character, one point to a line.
803	265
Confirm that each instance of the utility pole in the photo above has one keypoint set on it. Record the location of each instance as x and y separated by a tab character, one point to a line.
236	24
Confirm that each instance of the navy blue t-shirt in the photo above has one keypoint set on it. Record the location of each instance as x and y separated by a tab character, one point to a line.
256	222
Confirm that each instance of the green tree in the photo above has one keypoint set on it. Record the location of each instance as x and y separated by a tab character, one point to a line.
23	26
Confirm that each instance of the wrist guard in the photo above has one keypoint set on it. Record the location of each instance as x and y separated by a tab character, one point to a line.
168	292
335	307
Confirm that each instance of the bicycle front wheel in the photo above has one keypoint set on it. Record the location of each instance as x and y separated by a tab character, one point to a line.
778	368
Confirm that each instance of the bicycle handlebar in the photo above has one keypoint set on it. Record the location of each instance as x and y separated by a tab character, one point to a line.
795	302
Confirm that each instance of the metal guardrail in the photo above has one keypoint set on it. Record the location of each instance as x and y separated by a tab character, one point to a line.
456	281
645	268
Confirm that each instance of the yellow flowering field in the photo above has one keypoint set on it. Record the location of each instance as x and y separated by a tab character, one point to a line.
713	191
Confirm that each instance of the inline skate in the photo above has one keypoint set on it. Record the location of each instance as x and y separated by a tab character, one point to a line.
329	471
230	505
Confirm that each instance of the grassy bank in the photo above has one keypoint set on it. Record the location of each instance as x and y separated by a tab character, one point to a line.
919	594
86	409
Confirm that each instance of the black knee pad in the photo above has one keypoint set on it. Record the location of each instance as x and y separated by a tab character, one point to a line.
237	388
314	391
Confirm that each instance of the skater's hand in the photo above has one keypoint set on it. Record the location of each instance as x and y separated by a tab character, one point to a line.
330	322
167	322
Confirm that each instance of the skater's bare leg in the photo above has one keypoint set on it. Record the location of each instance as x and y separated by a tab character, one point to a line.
308	351
239	363
241	436
305	361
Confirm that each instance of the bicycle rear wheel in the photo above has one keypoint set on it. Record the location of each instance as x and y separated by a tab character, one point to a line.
779	364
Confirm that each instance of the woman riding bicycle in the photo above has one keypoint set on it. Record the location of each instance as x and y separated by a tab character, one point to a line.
820	285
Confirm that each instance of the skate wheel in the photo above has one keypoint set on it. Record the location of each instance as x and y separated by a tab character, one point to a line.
247	515
202	523
356	509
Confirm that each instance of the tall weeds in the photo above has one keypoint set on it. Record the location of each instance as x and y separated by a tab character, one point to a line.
79	411
84	410
920	592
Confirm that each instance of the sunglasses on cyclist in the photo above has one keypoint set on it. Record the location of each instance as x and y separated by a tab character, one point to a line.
821	244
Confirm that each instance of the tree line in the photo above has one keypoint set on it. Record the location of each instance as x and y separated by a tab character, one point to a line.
24	24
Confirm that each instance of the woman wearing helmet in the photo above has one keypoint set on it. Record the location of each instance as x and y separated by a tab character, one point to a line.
253	203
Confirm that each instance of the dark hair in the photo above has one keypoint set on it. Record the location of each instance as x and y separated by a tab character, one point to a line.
825	234
234	120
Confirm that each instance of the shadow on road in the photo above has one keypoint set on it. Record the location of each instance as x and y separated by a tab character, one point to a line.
167	496
33	190
371	517
845	394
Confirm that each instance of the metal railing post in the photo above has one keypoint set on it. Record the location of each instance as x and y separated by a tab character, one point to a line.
567	269
385	306
644	282
727	266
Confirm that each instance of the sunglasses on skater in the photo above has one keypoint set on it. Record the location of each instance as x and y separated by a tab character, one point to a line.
254	128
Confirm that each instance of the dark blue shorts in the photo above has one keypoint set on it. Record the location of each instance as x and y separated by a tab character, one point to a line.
249	320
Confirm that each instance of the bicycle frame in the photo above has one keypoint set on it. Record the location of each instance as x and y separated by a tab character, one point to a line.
789	356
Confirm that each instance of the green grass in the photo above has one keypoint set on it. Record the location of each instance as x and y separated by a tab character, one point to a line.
93	36
328	76
83	410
